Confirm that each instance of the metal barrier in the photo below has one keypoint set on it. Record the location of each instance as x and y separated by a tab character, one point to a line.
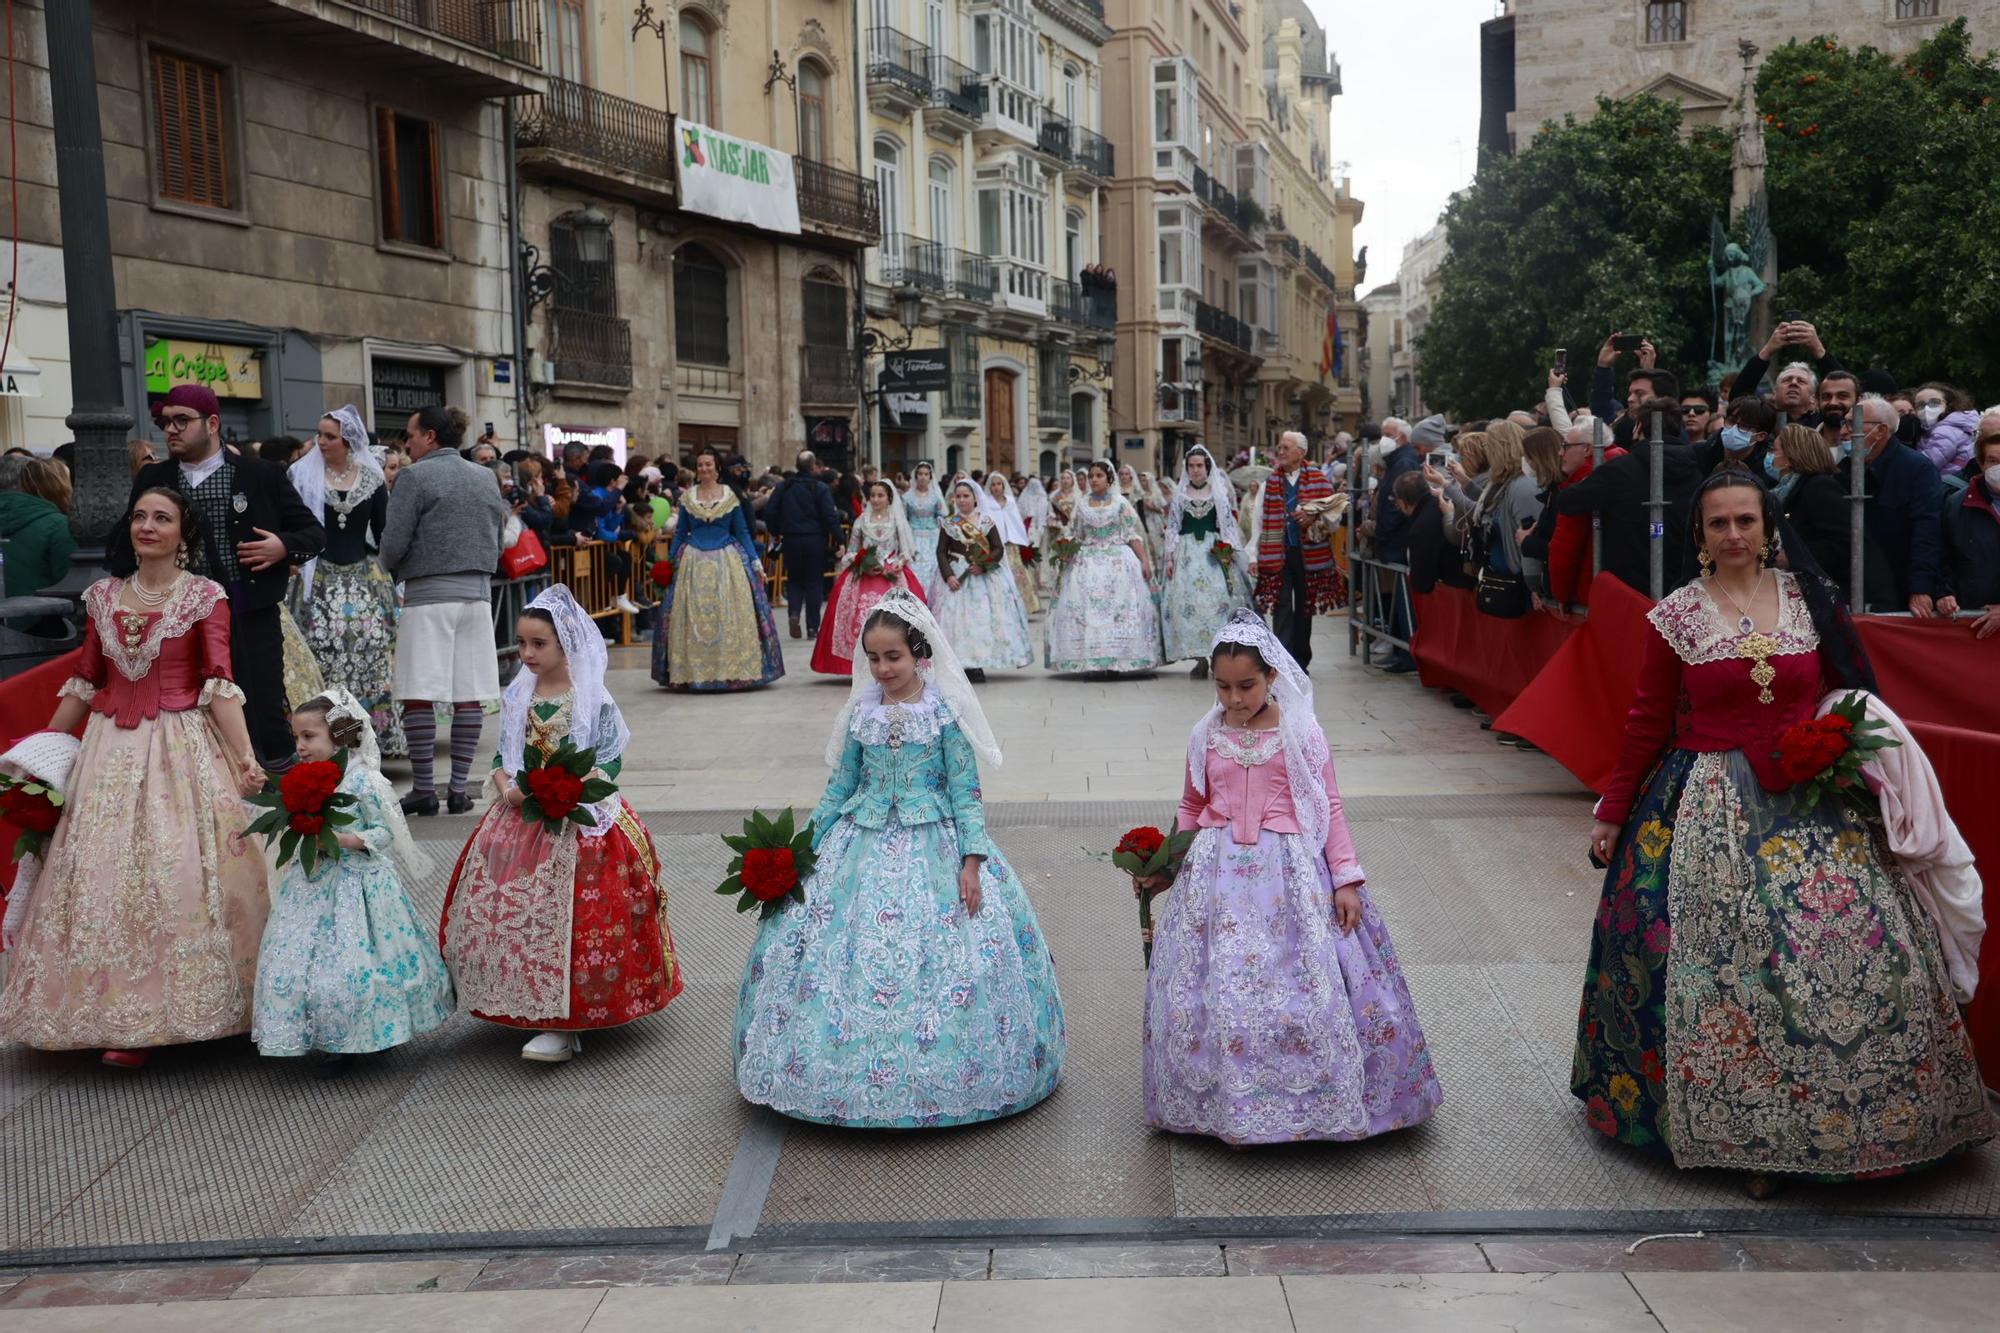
590	571
510	598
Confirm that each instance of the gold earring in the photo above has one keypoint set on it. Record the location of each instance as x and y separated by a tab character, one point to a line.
181	558
1707	562
1764	556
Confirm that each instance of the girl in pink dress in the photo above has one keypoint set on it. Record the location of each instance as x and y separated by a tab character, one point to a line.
883	529
1275	1008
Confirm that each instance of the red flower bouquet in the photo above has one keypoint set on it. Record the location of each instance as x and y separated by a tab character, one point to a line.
1143	853
868	561
663	573
305	812
1224	553
559	787
983	557
35	809
1066	551
772	863
1823	755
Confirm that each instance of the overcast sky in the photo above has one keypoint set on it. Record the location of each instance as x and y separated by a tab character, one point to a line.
1407	119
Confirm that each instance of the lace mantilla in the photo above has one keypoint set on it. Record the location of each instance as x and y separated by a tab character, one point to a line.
1245	746
918	722
134	658
1694	627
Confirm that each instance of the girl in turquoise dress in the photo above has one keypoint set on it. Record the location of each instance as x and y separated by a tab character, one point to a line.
927	509
1199	591
912	987
344	968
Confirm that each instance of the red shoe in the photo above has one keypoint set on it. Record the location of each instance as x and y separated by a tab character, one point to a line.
125	1059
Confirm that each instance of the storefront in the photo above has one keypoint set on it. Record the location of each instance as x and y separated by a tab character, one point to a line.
905	423
556	438
256	373
403	379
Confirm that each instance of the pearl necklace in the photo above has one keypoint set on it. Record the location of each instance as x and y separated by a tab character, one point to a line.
145	596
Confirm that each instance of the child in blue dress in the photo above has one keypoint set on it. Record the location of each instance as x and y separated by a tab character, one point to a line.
344	968
912	987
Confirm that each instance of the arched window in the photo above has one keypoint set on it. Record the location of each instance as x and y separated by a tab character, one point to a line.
701	307
826	317
889	184
812	112
944	210
1072	94
697	95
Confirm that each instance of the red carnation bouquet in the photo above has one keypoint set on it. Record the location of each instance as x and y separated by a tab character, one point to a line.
305	812
34	808
772	863
1066	551
984	557
663	573
1823	755
1143	853
559	787
1224	553
868	561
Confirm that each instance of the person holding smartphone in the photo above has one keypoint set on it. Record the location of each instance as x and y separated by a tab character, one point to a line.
1648	381
1793	347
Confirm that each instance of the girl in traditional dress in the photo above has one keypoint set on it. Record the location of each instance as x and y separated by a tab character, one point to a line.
1198	592
1034	504
559	933
345	968
927	508
1154	501
344	601
912	987
1275	1007
1764	991
141	927
1001	506
1104	619
980	610
1062	507
884	530
715	629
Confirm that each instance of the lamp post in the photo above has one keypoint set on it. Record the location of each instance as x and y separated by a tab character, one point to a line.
645	20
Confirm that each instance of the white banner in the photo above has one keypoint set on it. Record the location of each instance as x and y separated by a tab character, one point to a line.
737	180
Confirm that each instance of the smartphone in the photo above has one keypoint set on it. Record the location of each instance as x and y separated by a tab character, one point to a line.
1627	342
1562	360
1793	316
489	428
1438	459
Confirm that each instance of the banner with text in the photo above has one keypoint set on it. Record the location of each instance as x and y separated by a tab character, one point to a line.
915	372
737	180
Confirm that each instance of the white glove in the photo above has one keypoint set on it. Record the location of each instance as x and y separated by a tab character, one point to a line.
17	902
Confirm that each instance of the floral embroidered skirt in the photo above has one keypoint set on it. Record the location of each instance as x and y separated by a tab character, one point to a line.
350	628
715	631
985	623
144	923
1104	618
879	1003
1265	1024
560	934
1764	992
847	610
1197	598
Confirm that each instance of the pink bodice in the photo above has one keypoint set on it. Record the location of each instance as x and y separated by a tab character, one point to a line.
173	662
1249	791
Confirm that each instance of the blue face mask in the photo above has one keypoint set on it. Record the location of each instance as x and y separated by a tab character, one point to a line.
1770	467
1736	439
1842	450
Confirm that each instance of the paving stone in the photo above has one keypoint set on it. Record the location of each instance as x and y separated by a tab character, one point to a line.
840	1265
382	1278
527	1272
455	1312
1896	1255
1747	1302
1607	1255
1131	1305
1467	1303
1286	1258
872	1307
1085	1261
126	1286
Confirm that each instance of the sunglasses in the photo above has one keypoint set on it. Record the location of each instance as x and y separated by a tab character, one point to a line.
1695	409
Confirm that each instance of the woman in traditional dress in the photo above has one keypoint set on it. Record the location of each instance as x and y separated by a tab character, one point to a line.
1104	618
1276	1009
141	926
881	541
715	630
344	601
979	607
1764	992
1000	506
912	987
927	508
1198	591
559	933
1062	508
1154	502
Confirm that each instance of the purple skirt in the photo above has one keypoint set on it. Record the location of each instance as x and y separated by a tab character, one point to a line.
1265	1024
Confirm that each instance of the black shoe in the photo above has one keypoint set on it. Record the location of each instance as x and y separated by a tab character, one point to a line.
1400	666
458	802
333	1066
1460	701
1200	671
420	803
977	675
797	633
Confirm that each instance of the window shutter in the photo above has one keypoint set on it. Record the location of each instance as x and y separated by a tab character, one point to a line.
434	195
385	151
190	149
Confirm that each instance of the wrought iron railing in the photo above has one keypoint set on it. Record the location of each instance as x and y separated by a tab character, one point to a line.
914	262
1100	307
510	29
1094	152
831	197
1215	322
829	375
972	276
610	131
897	59
954	87
591	348
1054	138
1065	301
1318	268
1201	184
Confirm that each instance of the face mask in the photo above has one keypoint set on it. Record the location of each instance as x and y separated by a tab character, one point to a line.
1736	439
1992	477
1527	470
1930	412
1770	467
1842	450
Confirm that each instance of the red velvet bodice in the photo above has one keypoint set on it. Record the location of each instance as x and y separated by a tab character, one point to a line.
191	649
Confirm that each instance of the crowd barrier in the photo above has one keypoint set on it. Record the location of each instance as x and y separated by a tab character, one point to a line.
1568	689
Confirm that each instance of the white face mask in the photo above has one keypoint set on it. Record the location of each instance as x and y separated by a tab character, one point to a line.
1992	476
1929	413
1527	469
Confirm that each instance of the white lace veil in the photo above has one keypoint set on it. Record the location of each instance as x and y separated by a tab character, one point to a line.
899	516
583	646
1006	518
411	860
941	673
309	473
1304	744
1219	488
1034	501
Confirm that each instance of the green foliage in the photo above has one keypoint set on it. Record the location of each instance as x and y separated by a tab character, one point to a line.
1880	178
1593	227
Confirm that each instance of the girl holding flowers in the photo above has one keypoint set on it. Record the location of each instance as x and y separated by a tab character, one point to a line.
978	605
345	969
880	555
911	986
555	920
1276	1010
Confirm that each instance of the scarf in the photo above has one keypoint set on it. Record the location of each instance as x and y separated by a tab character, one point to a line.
1322	584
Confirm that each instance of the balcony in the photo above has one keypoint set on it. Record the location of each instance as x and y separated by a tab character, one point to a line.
910	261
1092	154
955	98
1319	270
1006	112
1023	288
464	48
1217	324
590	348
594	139
1100	308
836	204
829	375
1176	305
973	277
899	78
697	381
1086	16
1054	141
1066	302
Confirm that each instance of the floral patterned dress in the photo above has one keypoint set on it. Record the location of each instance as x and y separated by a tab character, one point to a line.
927	512
854	595
715	631
879	1001
1764	992
348	624
984	620
1201	592
1104	618
559	932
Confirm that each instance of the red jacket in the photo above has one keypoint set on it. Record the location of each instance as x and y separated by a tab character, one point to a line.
1569	549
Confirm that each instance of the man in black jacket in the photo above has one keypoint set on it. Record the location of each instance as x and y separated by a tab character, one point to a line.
1904	513
1619	491
1796	389
1972	537
801	513
258	532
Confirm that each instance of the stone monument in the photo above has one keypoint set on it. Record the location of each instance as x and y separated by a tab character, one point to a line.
1741	276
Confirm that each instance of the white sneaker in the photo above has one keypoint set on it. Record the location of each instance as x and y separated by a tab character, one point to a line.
552	1048
627	605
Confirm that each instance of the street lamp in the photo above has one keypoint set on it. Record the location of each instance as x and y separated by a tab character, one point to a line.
593	235
909	310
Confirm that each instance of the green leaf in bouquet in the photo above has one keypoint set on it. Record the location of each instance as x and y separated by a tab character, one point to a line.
736	842
784	826
1128	862
761	829
581	815
597	789
23	845
532	757
734	884
746	902
309	853
579	763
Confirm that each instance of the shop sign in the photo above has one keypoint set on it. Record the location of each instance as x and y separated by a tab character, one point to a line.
229	370
905	411
403	387
555	437
915	372
737	180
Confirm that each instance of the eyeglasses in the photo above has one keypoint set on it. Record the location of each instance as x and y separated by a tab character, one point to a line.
177	422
